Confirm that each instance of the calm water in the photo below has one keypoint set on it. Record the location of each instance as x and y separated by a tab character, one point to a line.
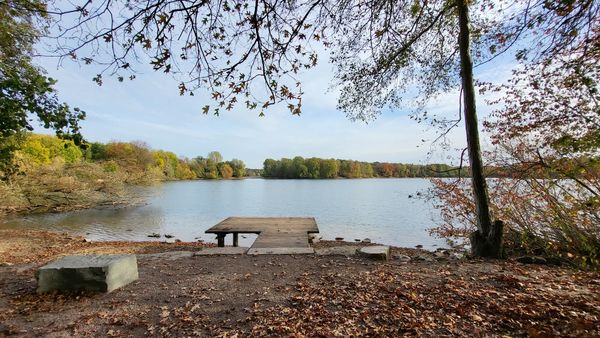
379	209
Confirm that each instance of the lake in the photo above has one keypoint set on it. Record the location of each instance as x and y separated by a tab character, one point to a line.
378	209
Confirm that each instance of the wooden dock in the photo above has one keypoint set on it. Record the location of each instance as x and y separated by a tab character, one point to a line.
273	232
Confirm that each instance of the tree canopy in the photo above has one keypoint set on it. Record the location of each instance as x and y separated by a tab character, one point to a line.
25	90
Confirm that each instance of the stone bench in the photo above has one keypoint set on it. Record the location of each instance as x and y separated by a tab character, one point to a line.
103	273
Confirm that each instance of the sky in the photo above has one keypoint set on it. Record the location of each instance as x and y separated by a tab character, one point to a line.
150	109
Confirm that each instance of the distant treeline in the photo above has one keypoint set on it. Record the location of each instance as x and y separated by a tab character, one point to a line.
136	157
313	167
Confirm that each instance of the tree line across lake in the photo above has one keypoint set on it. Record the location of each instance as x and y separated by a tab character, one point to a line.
313	168
137	162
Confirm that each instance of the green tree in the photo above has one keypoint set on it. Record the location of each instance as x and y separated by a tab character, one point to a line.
270	168
96	151
197	166
24	88
313	166
211	171
329	168
300	169
215	156
167	163
286	168
239	168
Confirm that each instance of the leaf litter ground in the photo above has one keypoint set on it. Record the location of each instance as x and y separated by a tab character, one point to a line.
327	296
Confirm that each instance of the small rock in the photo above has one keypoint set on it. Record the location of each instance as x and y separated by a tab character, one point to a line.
366	240
457	255
441	253
169	236
379	252
532	260
339	238
177	240
423	258
357	240
403	258
419	246
154	235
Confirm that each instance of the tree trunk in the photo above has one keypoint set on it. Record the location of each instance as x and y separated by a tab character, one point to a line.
487	240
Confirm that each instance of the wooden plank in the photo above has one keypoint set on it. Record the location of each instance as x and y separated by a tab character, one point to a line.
260	224
281	240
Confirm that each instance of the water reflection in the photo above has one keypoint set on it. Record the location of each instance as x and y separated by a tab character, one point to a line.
378	209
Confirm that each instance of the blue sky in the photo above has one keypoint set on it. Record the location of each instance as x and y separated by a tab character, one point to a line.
150	109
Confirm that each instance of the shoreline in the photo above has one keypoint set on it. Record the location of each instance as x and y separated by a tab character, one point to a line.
20	246
182	294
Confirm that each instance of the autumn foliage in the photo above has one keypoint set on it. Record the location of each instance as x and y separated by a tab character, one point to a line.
546	129
53	174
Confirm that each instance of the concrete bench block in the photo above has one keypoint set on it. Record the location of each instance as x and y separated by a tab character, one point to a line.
227	250
379	252
103	273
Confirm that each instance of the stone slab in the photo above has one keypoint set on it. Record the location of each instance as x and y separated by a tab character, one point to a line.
346	250
379	252
280	251
281	239
103	273
169	255
228	250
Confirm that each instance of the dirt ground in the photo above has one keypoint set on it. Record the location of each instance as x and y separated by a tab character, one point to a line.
22	246
294	295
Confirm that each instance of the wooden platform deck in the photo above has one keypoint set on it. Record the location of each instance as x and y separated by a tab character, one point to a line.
273	232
